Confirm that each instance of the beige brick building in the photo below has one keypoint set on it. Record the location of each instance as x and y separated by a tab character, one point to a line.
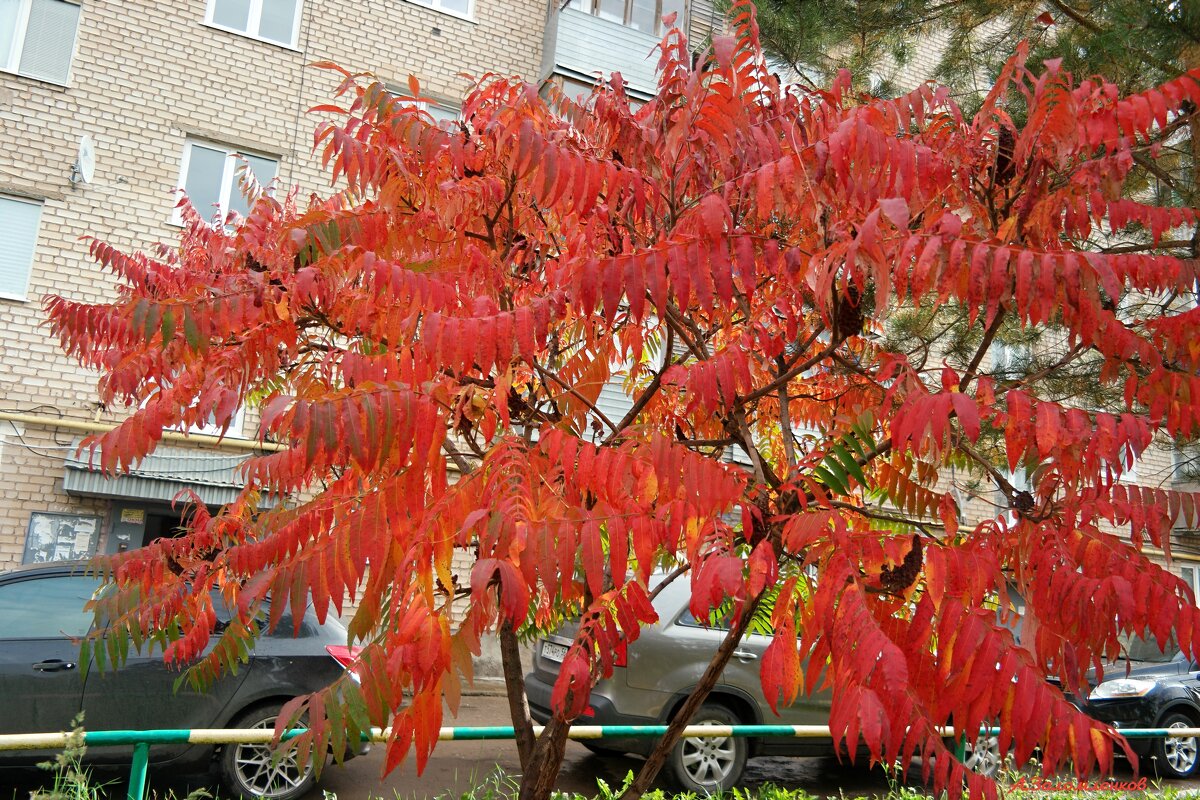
166	92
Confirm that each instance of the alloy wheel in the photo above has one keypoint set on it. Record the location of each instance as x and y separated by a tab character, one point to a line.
983	756
1181	752
708	760
266	772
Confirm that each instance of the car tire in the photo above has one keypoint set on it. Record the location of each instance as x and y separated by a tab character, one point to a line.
250	771
1171	757
709	765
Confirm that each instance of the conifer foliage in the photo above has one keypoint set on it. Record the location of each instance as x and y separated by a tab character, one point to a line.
730	250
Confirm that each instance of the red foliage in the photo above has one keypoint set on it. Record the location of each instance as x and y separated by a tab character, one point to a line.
473	286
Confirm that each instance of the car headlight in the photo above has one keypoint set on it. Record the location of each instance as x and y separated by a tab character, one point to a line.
1122	687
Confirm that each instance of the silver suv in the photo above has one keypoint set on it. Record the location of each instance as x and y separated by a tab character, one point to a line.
655	676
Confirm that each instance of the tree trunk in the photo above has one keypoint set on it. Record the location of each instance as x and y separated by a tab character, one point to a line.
514	687
662	750
539	775
1191	60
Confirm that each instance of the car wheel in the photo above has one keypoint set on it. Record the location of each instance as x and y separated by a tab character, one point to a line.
983	756
1172	757
256	770
709	765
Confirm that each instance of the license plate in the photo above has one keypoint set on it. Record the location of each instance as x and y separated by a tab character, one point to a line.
554	652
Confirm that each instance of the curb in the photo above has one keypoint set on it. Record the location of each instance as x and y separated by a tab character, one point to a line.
485	687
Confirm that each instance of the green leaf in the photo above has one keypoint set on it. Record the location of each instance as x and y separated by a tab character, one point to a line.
138	320
337	728
829	479
851	466
85	658
356	707
151	327
168	327
191	331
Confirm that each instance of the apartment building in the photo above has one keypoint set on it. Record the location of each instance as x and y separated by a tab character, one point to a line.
174	95
165	95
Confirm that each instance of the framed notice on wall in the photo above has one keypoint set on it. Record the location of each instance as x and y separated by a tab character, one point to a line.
60	537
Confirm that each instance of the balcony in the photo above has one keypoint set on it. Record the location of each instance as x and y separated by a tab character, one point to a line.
579	46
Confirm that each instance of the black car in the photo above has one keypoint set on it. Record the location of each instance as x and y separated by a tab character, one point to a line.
1152	689
43	687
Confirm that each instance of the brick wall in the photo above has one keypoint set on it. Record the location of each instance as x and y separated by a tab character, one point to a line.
144	78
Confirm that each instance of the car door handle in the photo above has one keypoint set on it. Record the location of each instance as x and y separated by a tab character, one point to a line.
53	665
745	655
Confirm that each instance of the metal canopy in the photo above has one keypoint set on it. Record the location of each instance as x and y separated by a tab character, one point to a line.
161	476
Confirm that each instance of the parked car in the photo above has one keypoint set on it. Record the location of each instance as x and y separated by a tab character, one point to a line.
1159	690
44	688
653	677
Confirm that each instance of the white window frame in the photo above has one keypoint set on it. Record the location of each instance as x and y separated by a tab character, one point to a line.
229	177
425	105
1019	480
1129	473
23	296
591	8
235	431
20	31
1007	358
1190	573
254	22
436	5
1181	457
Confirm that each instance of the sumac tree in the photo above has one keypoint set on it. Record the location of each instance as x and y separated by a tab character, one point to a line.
733	250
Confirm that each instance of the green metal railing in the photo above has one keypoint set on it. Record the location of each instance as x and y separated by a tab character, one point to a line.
141	740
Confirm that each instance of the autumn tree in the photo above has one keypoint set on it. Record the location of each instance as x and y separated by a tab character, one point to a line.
965	44
730	254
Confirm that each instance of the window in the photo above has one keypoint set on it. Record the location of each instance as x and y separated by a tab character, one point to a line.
37	38
1126	469
18	235
270	20
459	8
440	113
1191	576
642	15
1019	480
46	608
1010	362
1185	462
211	428
209	175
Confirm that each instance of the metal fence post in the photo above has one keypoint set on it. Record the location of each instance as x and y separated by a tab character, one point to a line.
960	748
137	771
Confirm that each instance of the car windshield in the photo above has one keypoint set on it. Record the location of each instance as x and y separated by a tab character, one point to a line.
1137	648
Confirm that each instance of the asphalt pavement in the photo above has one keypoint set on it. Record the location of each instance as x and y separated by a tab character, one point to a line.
457	766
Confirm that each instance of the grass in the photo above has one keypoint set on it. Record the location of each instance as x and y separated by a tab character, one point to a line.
72	781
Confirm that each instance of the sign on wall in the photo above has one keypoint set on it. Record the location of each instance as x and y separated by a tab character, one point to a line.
60	537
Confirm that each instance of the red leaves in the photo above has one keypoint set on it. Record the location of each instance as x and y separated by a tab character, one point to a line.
1076	442
922	422
468	297
573	685
720	576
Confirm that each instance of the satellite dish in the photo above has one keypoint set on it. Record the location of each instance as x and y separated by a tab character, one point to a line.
84	168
